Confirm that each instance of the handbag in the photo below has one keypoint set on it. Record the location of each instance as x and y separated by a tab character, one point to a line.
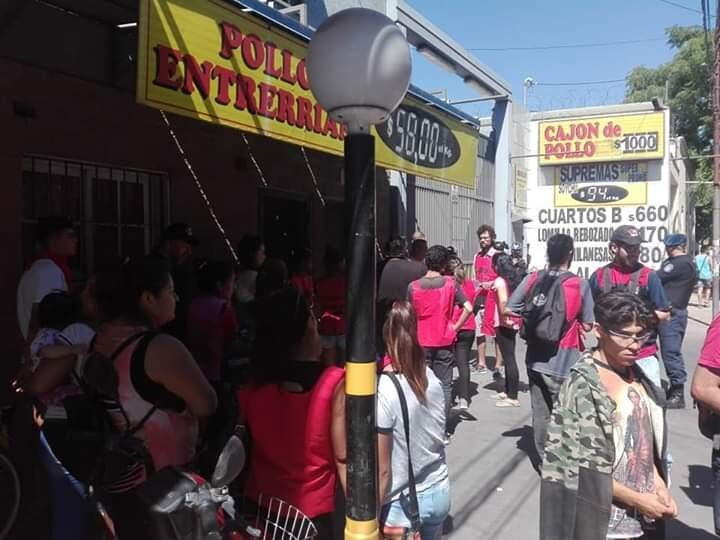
409	501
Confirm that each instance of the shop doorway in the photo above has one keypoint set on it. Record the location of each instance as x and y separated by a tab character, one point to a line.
285	224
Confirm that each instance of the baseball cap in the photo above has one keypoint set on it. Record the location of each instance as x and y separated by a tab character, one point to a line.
180	231
675	239
628	235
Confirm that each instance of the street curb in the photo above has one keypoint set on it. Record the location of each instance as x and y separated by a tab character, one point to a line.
698	320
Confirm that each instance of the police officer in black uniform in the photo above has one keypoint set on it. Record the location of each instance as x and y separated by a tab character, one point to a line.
678	276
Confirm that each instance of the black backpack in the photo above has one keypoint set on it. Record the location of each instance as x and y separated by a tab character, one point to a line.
544	315
121	456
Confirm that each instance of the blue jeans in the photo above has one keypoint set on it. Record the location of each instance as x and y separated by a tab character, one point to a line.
672	333
715	463
70	508
434	505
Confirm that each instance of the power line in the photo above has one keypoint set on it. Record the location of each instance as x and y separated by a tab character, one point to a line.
681	6
568	46
579	83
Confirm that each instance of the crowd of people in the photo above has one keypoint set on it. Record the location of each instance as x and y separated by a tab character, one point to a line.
181	351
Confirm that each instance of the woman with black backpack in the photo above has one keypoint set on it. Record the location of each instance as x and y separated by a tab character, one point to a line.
159	391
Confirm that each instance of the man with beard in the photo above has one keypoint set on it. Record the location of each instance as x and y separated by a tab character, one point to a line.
485	277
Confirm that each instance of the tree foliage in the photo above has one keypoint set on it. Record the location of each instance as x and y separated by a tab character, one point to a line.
688	80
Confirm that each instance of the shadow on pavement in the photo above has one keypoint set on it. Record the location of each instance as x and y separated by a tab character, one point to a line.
700	480
678	529
526	443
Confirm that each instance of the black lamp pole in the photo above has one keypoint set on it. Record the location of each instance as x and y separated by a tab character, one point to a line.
361	504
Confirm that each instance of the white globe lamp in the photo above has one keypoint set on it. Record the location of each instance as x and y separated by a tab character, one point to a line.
359	67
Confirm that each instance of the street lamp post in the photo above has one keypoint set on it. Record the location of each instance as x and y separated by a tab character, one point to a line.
359	69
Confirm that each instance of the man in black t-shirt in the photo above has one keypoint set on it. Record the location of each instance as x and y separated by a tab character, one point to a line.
678	276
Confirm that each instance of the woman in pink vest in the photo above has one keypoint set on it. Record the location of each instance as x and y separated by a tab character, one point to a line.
293	411
466	334
506	326
162	391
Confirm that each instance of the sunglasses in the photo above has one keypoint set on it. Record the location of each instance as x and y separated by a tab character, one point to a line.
629	338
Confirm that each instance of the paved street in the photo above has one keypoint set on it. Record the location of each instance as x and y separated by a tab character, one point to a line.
495	490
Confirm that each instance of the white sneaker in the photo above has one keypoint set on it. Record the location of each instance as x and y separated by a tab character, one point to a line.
499	396
505	403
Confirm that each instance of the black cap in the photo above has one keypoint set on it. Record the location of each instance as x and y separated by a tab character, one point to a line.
628	235
675	239
179	231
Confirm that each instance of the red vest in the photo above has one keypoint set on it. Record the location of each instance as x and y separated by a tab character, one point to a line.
434	309
291	455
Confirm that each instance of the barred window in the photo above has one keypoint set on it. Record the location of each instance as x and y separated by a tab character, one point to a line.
118	212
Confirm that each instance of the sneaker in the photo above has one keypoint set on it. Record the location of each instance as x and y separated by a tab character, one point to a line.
481	369
505	403
499	396
463	404
497	374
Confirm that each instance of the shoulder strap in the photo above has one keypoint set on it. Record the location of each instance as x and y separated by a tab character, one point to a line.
634	286
607	284
406	423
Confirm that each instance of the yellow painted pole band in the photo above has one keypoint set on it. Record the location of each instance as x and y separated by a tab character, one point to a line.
360	378
361	530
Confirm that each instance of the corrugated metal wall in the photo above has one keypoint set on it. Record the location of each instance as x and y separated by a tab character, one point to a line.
450	215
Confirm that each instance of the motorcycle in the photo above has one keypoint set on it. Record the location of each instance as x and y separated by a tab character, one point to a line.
183	506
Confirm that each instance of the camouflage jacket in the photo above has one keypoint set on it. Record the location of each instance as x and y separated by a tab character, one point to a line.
576	487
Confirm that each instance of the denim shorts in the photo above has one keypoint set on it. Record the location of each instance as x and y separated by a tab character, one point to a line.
434	505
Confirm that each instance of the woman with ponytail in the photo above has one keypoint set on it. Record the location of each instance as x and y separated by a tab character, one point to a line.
423	394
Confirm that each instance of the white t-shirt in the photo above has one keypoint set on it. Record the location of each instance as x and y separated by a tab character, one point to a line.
427	432
42	278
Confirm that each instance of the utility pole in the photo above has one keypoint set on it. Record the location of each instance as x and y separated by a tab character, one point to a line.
716	164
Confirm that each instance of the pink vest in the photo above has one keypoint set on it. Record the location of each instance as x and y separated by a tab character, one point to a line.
291	454
434	309
469	289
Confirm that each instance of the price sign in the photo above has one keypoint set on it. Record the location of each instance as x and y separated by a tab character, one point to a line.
415	135
424	141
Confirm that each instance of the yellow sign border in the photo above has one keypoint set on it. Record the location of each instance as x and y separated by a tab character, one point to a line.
155	17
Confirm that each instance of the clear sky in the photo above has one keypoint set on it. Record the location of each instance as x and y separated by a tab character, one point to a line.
543	23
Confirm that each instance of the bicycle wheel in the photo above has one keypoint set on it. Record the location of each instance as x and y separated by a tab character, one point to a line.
279	520
9	495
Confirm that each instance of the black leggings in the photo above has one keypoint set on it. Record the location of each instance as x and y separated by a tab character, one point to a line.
463	348
505	338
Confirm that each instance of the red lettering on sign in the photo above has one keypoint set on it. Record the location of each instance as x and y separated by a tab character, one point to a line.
253	51
301	74
267	96
331	127
304	114
286	105
287	74
166	61
230	39
225	78
318	125
197	75
247	89
270	69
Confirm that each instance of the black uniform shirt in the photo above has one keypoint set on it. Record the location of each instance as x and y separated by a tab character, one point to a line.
678	276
